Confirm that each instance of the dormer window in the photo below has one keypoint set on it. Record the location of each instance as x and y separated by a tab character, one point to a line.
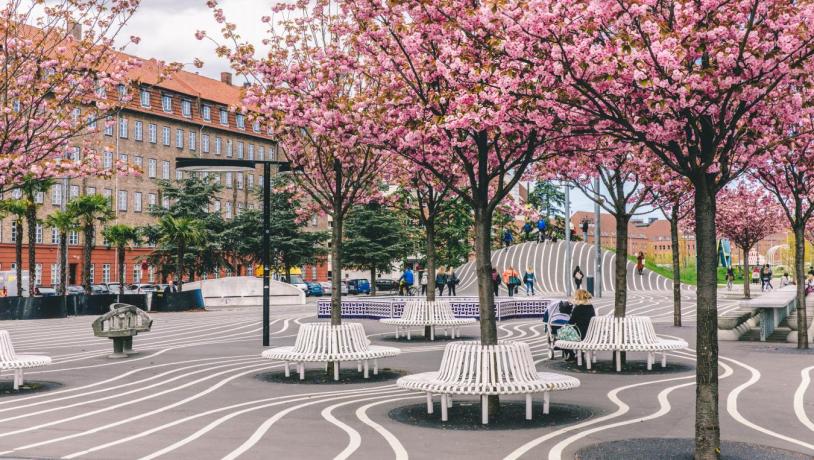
166	102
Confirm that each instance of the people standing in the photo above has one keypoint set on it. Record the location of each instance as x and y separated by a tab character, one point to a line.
527	231
541	226
640	263
577	275
440	280
528	280
507	238
512	279
495	280
452	280
730	278
424	282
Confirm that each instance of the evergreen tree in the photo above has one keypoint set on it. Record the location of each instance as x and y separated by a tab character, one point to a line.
375	237
548	198
454	238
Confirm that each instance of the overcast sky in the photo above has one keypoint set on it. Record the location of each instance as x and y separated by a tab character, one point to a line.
167	30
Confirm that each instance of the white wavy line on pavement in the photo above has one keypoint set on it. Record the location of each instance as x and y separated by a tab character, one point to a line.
732	407
799	407
280	400
265	426
395	444
354	439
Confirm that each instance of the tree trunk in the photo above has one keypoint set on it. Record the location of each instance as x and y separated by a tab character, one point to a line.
707	426
429	227
620	293
486	295
31	223
799	278
120	256
86	255
676	267
179	266
287	269
747	277
63	257
372	281
18	258
336	269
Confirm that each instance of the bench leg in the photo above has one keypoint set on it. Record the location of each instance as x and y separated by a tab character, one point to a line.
429	403
367	368
664	360
397	332
588	360
128	345
358	366
484	405
287	369
336	370
579	357
432	332
449	401
593	355
649	361
618	361
375	367
546	402
18	378
118	348
444	407
528	406
408	333
301	370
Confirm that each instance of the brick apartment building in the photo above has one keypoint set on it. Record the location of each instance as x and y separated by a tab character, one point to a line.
184	115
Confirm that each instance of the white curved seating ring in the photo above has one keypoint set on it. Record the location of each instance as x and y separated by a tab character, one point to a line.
428	313
10	360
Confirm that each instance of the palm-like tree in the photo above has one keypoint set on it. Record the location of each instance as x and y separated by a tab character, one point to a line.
89	210
63	222
121	236
180	232
32	186
17	209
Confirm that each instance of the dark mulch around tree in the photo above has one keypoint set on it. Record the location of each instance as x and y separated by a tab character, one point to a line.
347	374
419	338
604	365
789	348
466	415
7	387
680	449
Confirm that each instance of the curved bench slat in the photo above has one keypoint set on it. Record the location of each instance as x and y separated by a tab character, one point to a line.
10	360
427	313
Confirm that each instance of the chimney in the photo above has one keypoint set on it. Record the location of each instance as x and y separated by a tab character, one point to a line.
246	84
226	77
75	30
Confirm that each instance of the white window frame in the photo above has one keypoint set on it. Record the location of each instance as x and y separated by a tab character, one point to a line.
193	139
166	103
186	108
206	112
165	170
179	138
152	128
138	130
106	273
137	197
145	98
165	135
223	115
121	204
152	165
205	143
123	128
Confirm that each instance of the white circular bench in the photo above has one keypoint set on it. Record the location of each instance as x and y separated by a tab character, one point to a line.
469	368
9	360
631	333
322	342
426	313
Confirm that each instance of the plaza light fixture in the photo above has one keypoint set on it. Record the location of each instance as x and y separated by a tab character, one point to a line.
217	166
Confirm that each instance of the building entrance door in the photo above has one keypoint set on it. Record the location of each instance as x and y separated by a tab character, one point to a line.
72	273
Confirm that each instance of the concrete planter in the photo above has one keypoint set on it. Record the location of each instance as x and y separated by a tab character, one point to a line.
177	301
32	308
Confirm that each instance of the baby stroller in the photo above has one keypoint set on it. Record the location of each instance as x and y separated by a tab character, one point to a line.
556	315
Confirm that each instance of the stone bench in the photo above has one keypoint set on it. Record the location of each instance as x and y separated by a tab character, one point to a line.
10	360
121	324
631	333
322	342
427	313
469	368
774	307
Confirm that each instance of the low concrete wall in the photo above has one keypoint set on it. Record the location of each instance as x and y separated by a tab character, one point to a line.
245	290
188	299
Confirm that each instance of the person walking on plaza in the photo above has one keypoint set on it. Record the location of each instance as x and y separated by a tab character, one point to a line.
577	275
452	280
507	238
755	275
512	279
730	278
440	280
406	280
527	231
528	280
766	278
581	314
495	280
424	282
541	226
640	263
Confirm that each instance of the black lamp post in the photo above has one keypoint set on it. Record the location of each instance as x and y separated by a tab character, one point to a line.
214	165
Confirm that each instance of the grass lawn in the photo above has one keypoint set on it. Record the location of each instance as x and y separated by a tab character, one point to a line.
688	273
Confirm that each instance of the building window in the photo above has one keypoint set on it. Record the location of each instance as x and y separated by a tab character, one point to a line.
206	112
137	201
136	273
123	128
108	193
13	233
218	144
240	149
151	200
205	143
256	126
165	170
109	126
138	132
260	180
228	209
165	202
38	274
123	158
38	234
250	181
91	121
260	153
166	102
122	89
74	192
150	274
90	191
39	198
75	154
151	166
251	152
229	148
54	274
224	117
138	161
239	177
193	139
216	205
73	237
56	195
105	273
186	108
240	121
228	180
165	133
76	114
179	138
153	130
179	175
92	273
122	200
108	160
145	98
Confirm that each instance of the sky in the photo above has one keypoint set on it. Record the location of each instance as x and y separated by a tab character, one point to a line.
167	31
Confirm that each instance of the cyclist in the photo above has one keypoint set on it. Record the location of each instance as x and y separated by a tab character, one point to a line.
406	280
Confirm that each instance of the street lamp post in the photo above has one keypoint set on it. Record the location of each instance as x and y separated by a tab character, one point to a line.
207	165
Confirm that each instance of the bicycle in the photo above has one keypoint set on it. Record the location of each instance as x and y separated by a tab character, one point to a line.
408	290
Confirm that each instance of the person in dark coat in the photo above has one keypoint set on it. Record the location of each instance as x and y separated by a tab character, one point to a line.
581	314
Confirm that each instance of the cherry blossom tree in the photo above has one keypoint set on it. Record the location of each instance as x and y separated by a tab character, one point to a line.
312	92
60	73
704	86
450	85
789	177
746	215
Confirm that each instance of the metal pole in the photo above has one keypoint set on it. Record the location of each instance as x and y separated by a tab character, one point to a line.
597	241
567	239
266	244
